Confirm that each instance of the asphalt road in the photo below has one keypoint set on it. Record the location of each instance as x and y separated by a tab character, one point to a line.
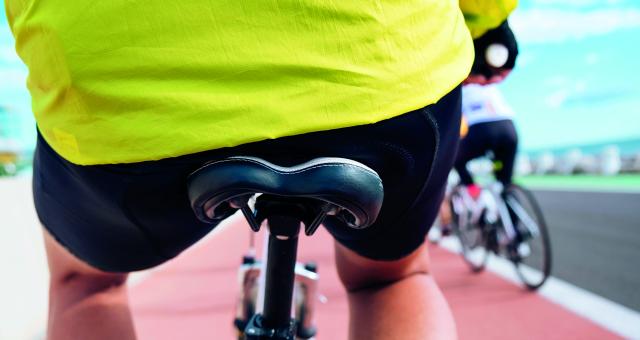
595	240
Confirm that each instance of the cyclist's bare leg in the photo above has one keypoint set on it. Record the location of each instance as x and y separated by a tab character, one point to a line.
394	300
445	212
84	302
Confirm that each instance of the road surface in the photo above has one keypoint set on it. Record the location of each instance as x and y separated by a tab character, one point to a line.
595	239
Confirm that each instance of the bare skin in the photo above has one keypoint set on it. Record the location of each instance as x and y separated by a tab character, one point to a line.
393	299
85	303
482	80
445	212
388	300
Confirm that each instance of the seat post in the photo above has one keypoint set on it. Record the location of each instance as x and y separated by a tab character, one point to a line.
275	322
281	262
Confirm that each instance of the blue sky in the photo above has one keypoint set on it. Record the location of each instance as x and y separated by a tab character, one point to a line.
16	120
576	80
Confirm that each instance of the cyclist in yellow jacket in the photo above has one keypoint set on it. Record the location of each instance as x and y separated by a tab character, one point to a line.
130	94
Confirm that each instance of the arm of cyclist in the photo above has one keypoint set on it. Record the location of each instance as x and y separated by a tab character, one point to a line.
487	23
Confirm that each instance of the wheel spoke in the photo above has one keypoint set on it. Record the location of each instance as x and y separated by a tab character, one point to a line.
532	246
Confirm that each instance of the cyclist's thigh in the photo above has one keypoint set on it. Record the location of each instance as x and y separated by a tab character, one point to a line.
508	138
505	148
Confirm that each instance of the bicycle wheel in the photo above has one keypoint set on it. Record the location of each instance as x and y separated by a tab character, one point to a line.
532	247
472	237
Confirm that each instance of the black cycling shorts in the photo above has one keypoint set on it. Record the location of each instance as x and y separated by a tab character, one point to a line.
126	217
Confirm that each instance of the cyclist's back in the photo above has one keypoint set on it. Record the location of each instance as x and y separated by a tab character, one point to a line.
484	103
490	128
124	82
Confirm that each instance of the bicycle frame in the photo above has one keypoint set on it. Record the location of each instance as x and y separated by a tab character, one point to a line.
526	220
498	222
507	224
494	208
503	205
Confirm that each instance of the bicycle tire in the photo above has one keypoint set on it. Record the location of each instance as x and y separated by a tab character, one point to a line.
533	269
472	239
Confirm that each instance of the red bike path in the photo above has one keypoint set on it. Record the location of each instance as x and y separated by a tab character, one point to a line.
193	296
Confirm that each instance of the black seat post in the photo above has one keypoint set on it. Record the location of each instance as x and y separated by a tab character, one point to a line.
279	279
275	321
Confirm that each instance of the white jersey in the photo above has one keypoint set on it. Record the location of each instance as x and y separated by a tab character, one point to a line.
484	103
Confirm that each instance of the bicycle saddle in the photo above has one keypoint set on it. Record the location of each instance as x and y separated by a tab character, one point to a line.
340	187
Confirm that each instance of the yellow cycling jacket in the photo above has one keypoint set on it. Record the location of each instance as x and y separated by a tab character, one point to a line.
122	81
483	15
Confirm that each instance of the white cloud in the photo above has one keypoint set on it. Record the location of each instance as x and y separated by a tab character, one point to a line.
567	89
580	87
552	25
592	58
556	99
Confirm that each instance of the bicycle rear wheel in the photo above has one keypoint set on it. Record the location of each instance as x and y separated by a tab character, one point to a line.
472	238
532	247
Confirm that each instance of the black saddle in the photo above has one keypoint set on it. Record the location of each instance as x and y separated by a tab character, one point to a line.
337	187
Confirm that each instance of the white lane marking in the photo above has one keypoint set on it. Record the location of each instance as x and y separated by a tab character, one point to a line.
631	191
608	314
